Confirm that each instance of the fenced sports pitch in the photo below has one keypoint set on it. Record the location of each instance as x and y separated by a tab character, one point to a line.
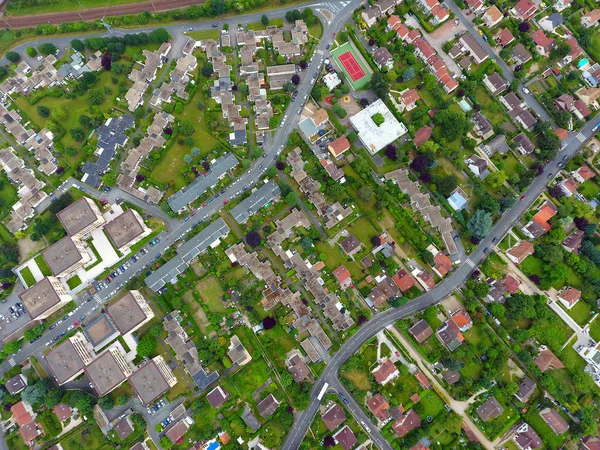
352	63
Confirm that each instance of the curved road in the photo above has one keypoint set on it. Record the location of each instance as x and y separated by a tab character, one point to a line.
389	317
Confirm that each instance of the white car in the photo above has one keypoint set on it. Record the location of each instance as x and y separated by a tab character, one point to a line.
312	81
39	58
526	90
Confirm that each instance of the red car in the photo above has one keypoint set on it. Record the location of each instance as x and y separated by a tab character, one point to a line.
523	198
193	213
225	202
205	204
76	323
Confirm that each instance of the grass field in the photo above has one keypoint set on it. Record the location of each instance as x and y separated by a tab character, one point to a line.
551	440
88	436
204	34
172	161
211	292
348	46
27	276
74	281
580	313
41	263
358	378
8	193
247	380
255	26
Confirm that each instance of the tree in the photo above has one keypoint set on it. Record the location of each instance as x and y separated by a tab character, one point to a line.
306	243
43	111
296	79
146	346
13	56
243	88
77	134
217	7
165	443
188	159
85	121
524	27
379	85
563	119
291	199
207	69
271	172
497	178
454	125
480	224
253	238
390	152
293	15
264	19
31	52
53	397
95	97
186	128
447	184
409	74
35	393
158	36
106	402
560	51
365	193
339	111
117	68
77	45
289	87
47	49
82	401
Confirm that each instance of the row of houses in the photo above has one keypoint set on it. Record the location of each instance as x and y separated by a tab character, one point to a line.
143	76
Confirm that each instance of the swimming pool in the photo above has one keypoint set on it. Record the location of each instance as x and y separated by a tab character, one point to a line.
582	63
465	105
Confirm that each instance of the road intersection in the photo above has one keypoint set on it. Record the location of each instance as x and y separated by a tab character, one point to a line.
177	230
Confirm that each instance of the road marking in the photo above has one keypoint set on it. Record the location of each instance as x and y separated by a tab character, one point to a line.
469	262
12	362
581	137
98	298
319	52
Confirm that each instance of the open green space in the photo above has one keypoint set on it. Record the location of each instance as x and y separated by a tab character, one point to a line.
73	282
41	263
595	330
551	440
211	292
8	193
580	313
256	26
248	379
87	436
204	34
27	276
590	189
173	159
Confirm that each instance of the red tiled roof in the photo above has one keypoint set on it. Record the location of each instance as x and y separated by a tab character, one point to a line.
442	263
379	406
403	280
421	135
561	133
384	371
341	274
505	37
582	108
339	146
20	414
406	423
422	379
461	318
511	284
410	96
585	172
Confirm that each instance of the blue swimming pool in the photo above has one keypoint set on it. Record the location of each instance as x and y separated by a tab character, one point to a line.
465	105
582	63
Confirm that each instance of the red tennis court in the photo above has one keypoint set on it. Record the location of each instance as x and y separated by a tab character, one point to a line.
351	65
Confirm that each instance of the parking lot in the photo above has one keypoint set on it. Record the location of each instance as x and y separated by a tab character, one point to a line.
11	322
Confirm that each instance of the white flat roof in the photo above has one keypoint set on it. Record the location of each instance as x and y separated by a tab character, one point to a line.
374	137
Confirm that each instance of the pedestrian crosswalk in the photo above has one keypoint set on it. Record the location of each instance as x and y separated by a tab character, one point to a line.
12	362
580	137
97	298
470	262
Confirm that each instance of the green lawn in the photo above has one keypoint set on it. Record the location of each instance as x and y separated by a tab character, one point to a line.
590	189
315	30
256	26
27	276
595	330
493	111
88	436
73	282
336	258
25	8
41	263
8	193
580	313
211	292
532	266
430	404
172	161
571	358
205	34
247	380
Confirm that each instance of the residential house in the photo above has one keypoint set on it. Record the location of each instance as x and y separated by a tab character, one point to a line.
16	384
470	44
496	145
583	174
568	187
421	135
526	438
523	144
546	360
345	438
338	147
343	276
497	290
520	54
526	389
511	101
409	98
573	54
490	409
406	423
268	406
560	5
520	251
403	280
483	128
351	245
495	83
379	406
385	372
523	10
569	296
573	241
422	379
551	22
383	58
493	16
458	200
462	320
504	38
554	420
539	225
333	417
512	284
451	376
217	397
297	366
442	264
476	6
449	334
478	166
421	331
543	43
590	19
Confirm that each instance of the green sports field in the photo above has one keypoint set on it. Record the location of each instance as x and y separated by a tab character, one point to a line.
344	48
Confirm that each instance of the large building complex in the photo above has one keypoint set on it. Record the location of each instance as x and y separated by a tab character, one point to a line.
44	298
129	312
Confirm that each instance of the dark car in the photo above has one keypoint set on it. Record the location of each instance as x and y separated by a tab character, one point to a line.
494	240
485	250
